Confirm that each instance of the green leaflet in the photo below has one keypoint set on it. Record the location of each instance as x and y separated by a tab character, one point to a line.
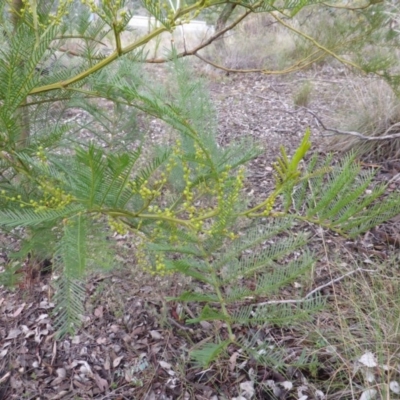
208	353
71	257
28	217
209	314
345	199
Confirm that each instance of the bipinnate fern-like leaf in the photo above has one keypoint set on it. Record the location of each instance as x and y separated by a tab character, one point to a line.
99	180
252	237
28	217
278	314
208	352
345	199
71	259
272	279
253	256
263	258
272	5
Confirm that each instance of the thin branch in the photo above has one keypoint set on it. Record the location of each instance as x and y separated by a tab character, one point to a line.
385	135
115	54
316	290
203	44
79	37
293	68
299	65
363	7
315	43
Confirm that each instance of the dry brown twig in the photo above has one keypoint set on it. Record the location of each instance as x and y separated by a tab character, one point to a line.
299	65
202	45
316	290
385	135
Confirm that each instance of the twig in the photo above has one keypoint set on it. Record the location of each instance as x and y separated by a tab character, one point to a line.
5	377
317	289
301	64
394	179
385	135
211	39
316	44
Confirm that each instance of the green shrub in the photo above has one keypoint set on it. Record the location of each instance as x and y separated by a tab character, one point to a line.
181	200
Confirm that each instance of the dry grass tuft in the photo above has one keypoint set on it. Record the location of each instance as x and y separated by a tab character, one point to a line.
257	43
370	109
302	96
358	338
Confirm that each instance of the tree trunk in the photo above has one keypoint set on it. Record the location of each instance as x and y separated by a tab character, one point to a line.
220	24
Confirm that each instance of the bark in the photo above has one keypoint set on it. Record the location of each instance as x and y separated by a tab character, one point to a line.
221	23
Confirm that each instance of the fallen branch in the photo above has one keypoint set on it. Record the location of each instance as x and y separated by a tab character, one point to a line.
316	290
385	135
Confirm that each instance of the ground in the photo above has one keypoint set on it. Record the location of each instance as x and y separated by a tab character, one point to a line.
134	344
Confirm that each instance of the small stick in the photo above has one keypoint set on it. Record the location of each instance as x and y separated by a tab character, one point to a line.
317	289
385	135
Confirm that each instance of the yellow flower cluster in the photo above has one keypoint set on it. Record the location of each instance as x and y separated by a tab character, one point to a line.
117	226
198	152
54	19
41	154
146	192
188	192
269	204
54	198
232	198
92	5
158	267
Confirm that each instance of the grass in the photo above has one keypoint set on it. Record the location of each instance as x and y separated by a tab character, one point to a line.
257	43
369	107
302	96
357	338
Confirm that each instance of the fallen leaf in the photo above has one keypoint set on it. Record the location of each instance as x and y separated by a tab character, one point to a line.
42	317
368	359
18	310
61	372
3	353
287	385
101	383
369	394
248	388
76	339
60	395
85	368
165	365
369	376
232	361
107	364
117	361
156	335
13	333
394	387
98	312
